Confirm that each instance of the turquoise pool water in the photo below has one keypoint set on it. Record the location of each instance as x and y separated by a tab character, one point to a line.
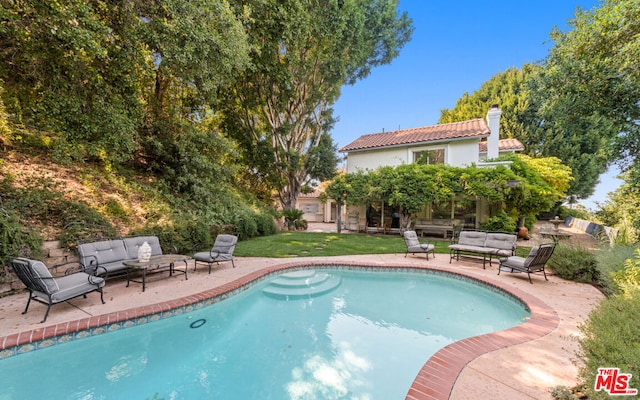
353	335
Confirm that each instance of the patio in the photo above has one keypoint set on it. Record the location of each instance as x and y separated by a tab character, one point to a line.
524	371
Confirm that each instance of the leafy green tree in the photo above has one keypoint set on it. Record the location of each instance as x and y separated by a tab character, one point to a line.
70	68
621	210
116	79
577	141
580	140
510	90
355	188
543	183
406	186
322	161
337	190
591	78
411	187
5	129
195	47
304	51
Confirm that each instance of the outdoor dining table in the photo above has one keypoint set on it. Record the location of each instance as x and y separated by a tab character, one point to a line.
165	262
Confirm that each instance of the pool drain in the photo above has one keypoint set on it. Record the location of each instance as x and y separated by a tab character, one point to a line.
198	323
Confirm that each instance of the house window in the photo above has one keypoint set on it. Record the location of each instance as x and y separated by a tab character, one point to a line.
310	208
441	210
465	211
429	156
374	215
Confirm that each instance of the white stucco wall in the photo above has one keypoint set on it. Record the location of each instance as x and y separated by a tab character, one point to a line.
313	209
360	161
461	153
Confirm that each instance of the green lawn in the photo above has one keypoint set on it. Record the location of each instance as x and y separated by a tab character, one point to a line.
312	244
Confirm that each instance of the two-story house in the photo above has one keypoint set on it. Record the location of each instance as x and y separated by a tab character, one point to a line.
458	144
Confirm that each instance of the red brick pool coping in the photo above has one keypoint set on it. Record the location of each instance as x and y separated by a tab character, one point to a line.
435	380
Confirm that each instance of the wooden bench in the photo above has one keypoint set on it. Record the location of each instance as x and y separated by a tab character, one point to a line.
438	226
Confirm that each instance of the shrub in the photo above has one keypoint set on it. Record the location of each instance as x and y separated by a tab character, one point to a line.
5	129
611	260
575	264
15	239
563	393
81	222
246	225
529	221
293	219
565	212
611	339
42	203
266	223
500	222
628	278
182	234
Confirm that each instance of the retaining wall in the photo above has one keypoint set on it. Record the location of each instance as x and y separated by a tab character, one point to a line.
598	231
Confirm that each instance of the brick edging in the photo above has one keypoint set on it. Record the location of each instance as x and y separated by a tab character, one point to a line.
436	379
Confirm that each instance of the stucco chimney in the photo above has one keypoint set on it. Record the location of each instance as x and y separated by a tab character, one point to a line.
493	120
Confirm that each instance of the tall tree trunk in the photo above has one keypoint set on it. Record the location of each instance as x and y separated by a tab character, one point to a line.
405	221
162	83
290	192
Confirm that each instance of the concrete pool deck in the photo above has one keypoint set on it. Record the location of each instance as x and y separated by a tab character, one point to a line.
544	356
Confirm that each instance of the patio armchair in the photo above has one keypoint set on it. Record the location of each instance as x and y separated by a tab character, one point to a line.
46	289
534	262
222	250
414	246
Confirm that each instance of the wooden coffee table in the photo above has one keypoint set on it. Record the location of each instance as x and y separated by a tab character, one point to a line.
165	262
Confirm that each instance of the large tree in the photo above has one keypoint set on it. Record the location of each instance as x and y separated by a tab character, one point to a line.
592	74
510	90
196	46
620	210
304	51
521	92
71	68
108	76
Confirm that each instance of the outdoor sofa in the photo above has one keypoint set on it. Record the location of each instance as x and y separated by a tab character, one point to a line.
484	244
106	257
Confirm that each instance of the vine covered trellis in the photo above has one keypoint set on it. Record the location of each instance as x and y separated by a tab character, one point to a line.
539	184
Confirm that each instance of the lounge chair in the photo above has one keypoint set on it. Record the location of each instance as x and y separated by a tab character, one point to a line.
414	246
222	251
535	261
46	289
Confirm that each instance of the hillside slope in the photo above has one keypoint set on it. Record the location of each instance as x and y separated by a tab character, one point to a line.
39	182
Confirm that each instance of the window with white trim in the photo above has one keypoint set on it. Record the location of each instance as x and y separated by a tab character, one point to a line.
435	156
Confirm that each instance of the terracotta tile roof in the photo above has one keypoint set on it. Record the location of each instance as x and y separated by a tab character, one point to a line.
475	128
313	195
504	145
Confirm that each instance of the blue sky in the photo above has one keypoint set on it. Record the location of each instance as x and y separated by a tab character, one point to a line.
455	48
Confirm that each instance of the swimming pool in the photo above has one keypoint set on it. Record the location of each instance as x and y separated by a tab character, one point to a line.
334	345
